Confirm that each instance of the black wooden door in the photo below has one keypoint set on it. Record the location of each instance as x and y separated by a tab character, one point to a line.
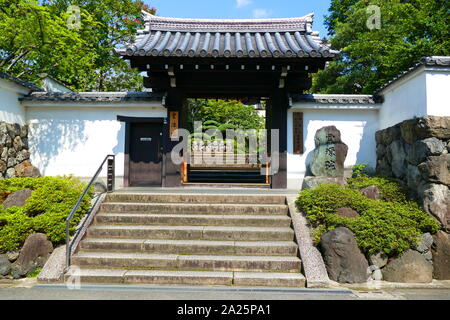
146	154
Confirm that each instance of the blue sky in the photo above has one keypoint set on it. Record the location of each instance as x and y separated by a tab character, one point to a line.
243	9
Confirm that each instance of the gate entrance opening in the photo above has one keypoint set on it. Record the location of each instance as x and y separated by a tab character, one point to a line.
250	60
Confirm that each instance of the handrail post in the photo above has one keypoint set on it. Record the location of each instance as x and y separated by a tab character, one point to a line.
111	175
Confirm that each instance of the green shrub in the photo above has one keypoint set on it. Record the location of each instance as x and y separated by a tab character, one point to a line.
391	190
360	170
389	227
45	211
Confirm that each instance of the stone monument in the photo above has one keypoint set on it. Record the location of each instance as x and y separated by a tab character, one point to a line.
327	164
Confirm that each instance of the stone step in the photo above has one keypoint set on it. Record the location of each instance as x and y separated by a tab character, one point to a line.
197	247
188	208
190	278
193	220
174	262
197	198
191	233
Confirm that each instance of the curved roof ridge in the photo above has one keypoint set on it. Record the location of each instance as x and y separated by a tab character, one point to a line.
306	18
153	22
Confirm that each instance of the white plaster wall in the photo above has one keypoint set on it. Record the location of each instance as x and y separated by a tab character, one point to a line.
405	99
71	140
357	126
11	110
438	93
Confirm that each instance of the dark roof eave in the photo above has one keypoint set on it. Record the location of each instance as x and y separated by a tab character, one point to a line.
434	61
337	99
94	97
28	85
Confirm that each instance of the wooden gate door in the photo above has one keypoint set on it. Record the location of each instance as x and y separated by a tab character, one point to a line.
145	154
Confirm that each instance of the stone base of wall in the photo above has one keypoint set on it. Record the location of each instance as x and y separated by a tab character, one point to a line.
418	153
14	152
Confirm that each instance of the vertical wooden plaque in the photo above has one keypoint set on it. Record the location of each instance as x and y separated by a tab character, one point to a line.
174	124
298	133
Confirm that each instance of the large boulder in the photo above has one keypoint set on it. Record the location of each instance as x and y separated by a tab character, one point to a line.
35	252
437	127
17	199
441	256
413	177
330	153
5	265
411	267
26	170
398	163
436	201
436	169
422	149
343	259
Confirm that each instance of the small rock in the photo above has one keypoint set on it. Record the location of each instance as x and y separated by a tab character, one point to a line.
5	265
347	213
379	260
26	169
12	255
10	173
313	182
18	144
412	267
425	243
17	199
377	275
3	166
372	192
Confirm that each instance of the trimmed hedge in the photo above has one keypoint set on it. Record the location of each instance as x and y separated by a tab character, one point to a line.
391	226
45	211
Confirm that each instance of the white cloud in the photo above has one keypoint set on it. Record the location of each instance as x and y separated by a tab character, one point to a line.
243	3
261	13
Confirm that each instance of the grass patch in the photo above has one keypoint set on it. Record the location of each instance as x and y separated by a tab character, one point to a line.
45	211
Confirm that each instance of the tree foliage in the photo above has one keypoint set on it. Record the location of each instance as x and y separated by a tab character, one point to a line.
36	38
370	58
232	113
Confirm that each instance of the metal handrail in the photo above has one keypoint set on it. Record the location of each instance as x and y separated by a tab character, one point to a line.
110	159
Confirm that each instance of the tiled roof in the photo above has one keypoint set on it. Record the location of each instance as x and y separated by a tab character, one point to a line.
257	38
336	98
434	61
93	96
26	84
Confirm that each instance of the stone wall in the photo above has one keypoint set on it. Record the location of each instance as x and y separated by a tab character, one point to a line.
417	152
14	152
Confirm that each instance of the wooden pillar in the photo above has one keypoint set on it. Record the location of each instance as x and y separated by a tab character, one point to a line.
175	101
279	106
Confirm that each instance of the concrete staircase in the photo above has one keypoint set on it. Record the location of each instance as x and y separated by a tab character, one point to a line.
175	239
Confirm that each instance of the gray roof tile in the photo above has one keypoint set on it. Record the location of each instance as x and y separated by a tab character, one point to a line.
93	96
256	38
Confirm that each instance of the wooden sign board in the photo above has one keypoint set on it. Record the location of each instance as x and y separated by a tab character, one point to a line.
298	133
174	124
